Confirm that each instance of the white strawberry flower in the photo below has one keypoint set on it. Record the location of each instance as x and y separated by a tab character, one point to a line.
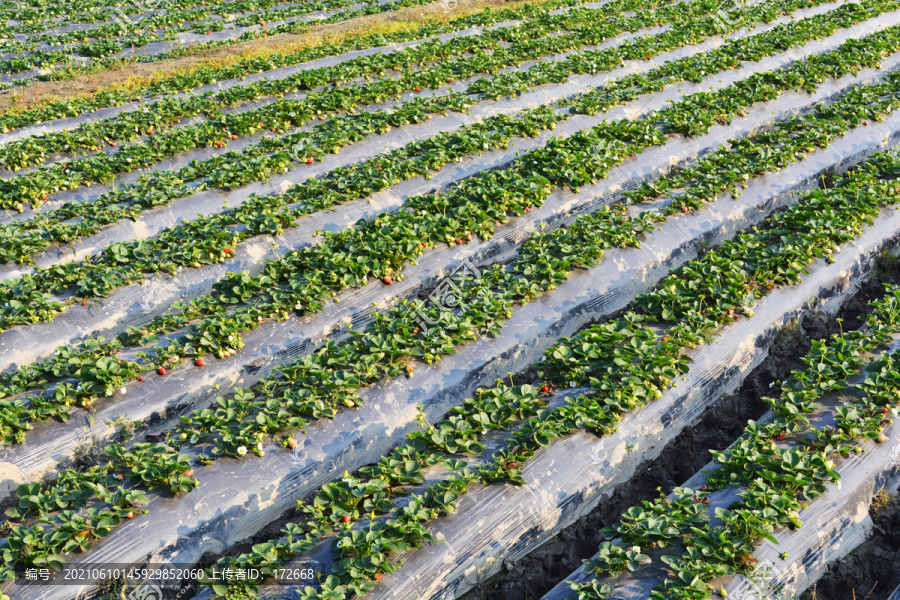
122	390
242	450
636	549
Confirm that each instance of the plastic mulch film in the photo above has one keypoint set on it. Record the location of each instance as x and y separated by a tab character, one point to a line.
236	499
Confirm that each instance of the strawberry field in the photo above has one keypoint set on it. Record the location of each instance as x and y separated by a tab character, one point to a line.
397	314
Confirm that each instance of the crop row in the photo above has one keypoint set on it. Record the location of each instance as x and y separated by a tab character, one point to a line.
340	186
20	240
348	258
623	362
57	16
185	82
50	58
779	465
124	32
585	27
541	264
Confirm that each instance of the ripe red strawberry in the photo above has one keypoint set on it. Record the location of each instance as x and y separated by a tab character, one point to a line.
150	132
201	362
234	137
227	250
684	209
527	209
469	238
410	368
780	438
87	403
44	198
130	515
84	302
388	280
162	370
545	388
865	123
345	519
459	241
884	410
730	312
378	576
120	477
418	90
140	378
189	473
450	80
424	244
309	161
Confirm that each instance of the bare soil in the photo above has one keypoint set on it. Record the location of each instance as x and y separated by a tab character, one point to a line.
872	571
534	575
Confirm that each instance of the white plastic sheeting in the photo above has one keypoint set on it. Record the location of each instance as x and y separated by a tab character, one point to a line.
235	499
160	400
284	72
833	525
274	74
504	523
136	304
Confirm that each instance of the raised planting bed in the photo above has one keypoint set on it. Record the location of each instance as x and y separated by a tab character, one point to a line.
163	398
506	516
832	526
569	237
